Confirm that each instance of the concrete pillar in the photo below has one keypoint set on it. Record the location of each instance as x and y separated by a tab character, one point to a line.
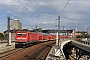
9	39
57	39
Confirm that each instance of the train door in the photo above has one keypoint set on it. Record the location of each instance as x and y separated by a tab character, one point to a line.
49	37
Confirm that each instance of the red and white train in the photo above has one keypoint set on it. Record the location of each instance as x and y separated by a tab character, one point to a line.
26	38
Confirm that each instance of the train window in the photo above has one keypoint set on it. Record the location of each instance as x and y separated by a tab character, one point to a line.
28	34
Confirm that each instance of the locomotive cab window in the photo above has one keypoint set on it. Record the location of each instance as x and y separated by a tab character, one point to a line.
19	34
23	34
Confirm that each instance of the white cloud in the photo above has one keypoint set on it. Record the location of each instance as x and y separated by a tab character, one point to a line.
46	12
8	2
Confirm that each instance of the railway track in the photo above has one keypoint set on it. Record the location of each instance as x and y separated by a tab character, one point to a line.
34	52
45	52
40	53
6	54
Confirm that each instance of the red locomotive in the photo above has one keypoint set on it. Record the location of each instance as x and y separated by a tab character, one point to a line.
26	38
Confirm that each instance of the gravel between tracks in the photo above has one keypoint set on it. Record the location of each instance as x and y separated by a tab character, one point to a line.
28	51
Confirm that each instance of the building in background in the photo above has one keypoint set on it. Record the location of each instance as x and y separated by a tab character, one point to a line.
71	33
15	25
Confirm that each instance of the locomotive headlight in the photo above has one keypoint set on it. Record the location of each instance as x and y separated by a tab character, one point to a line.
16	43
24	43
23	38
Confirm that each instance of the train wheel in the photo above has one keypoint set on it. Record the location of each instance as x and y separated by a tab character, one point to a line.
23	46
26	45
16	46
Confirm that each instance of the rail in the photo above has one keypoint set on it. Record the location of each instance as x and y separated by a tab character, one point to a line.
84	42
4	55
38	51
6	49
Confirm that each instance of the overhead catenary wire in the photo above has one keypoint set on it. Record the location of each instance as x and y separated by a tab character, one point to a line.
64	7
25	7
35	9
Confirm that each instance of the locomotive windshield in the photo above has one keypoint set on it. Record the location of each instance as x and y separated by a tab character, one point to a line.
21	34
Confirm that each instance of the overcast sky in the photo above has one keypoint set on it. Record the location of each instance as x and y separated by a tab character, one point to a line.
44	13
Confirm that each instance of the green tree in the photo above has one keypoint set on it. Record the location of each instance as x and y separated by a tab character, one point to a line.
86	36
6	36
1	36
48	32
78	36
